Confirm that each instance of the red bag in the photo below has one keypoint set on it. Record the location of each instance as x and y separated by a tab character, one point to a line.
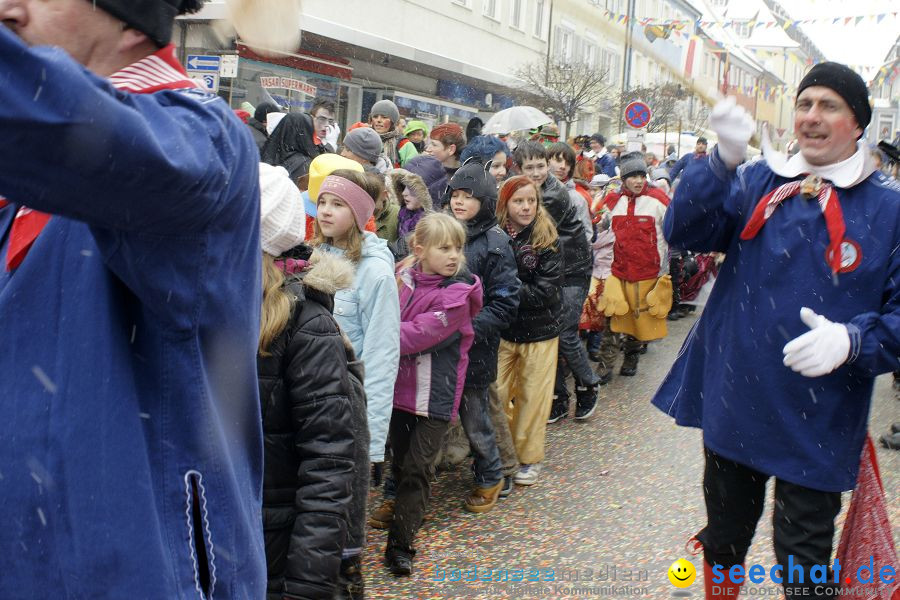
867	533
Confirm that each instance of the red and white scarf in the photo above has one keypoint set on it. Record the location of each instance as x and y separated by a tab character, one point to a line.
828	202
158	71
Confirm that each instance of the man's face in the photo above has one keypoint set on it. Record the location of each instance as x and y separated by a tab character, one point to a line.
825	126
700	148
536	169
322	118
596	146
438	150
90	35
416	136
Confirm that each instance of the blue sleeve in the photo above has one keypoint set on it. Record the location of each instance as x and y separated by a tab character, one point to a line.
380	313
678	167
875	336
158	163
608	165
705	212
501	294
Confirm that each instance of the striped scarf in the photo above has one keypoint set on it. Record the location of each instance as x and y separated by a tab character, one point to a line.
828	203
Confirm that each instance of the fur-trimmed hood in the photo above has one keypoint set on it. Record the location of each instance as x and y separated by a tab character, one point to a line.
397	179
328	273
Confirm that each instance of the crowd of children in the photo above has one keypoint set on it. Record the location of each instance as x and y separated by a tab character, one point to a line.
442	300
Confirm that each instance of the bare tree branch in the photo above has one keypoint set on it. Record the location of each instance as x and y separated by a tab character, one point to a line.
565	88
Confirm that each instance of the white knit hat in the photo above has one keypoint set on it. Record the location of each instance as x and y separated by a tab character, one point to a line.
283	223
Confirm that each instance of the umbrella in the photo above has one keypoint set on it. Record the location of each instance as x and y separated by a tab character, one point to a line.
515	119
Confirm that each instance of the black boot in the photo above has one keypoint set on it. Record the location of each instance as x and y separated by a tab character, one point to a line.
675	313
559	410
891	440
585	401
629	365
350	580
399	562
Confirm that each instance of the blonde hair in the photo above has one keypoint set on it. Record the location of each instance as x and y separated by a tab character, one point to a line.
355	237
276	304
434	230
544	234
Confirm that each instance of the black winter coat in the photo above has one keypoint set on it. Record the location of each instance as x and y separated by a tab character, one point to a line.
541	274
576	251
489	254
260	136
309	450
291	145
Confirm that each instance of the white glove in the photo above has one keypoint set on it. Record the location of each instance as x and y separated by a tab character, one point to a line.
331	135
734	127
820	350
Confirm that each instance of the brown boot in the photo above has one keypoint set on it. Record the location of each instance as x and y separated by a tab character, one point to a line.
383	516
481	499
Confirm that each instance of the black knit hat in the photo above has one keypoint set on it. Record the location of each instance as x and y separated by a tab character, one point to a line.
848	85
472	176
152	17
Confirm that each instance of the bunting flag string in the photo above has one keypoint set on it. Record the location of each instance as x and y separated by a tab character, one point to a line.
679	28
753	22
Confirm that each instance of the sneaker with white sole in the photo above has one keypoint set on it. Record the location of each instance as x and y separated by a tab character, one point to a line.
528	474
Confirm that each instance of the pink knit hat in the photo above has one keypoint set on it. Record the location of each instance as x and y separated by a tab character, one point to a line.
360	202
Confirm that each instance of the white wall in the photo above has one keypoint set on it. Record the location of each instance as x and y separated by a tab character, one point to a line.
447	34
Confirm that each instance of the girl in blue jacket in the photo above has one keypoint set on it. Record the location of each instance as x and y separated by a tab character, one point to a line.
369	310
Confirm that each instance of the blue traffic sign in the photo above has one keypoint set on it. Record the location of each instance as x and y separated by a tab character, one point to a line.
201	62
637	114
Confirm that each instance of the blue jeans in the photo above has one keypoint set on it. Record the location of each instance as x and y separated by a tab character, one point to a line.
570	347
475	415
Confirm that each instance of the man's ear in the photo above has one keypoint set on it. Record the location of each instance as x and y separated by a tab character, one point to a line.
132	39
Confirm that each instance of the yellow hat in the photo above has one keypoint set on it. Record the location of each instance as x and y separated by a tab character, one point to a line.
324	165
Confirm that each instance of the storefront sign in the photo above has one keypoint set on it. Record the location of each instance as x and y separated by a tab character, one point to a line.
288	83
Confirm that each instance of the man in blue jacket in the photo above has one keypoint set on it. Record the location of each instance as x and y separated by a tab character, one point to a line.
130	442
804	315
698	153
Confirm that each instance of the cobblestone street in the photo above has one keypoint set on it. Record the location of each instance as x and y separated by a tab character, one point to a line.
618	498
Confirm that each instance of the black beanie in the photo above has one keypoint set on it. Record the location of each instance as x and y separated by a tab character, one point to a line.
848	85
154	18
472	176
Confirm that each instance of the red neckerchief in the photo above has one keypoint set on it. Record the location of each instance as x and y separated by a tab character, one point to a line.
159	71
828	202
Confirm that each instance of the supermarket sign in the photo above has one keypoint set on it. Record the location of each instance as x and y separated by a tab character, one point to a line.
288	84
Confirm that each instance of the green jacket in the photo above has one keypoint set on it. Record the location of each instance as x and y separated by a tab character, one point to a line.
386	223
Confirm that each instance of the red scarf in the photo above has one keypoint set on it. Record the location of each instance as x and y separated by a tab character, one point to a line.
159	71
828	202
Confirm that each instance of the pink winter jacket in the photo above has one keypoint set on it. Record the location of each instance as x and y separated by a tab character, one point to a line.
436	333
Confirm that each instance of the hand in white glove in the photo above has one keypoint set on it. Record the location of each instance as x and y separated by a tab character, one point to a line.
734	127
820	350
332	132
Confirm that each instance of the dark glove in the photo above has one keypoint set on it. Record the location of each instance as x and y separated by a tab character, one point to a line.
377	473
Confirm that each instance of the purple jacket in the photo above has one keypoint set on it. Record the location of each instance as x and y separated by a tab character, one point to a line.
436	333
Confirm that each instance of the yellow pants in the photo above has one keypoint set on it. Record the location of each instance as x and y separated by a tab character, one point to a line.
641	326
525	377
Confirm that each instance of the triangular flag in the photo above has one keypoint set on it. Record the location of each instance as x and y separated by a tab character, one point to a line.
858	19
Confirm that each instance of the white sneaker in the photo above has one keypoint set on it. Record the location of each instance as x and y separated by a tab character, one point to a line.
528	474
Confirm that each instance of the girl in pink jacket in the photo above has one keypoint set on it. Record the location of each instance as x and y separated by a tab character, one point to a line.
438	300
